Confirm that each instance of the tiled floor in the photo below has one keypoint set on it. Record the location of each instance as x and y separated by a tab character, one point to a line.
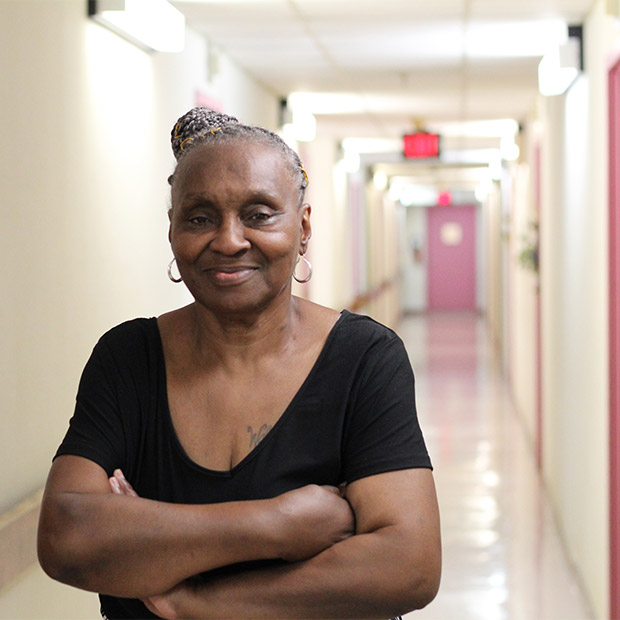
502	556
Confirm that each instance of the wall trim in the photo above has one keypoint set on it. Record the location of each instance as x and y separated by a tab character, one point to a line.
18	538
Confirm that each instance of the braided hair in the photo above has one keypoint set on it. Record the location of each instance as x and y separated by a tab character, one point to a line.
201	125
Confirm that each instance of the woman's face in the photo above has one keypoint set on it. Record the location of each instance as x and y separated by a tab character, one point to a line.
236	227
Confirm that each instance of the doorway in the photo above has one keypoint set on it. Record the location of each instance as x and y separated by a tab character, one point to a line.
451	258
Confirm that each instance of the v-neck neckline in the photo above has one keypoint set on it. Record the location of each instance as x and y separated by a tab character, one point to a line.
286	414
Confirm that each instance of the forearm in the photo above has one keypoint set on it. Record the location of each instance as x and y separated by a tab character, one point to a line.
375	575
134	547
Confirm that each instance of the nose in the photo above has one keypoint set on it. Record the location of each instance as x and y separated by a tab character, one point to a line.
229	238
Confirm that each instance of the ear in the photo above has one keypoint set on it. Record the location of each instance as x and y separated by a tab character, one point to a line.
305	227
170	225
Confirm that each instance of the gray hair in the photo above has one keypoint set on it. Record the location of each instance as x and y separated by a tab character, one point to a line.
201	125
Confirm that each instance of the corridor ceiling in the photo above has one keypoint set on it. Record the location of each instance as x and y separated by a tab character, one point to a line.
393	64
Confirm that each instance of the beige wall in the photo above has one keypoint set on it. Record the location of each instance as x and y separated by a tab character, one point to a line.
522	319
574	298
319	158
494	275
330	251
85	120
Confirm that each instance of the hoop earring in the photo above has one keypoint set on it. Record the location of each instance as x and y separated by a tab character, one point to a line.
307	278
175	280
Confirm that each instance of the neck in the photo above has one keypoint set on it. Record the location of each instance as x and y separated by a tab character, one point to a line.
245	336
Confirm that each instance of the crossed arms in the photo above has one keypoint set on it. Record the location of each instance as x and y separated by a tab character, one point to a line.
119	544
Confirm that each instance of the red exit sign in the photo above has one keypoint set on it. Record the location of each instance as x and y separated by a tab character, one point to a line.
420	145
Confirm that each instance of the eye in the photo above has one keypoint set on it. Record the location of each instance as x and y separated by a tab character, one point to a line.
200	220
260	216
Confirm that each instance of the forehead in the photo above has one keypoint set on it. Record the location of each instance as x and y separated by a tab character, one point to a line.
239	161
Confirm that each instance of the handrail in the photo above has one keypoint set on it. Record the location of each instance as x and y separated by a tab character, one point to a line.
361	300
18	535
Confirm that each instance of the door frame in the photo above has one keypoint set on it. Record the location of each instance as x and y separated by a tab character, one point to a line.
614	335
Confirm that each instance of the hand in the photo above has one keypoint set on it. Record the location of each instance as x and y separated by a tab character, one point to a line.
168	605
312	519
120	486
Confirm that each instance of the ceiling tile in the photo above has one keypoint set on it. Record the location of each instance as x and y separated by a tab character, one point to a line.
404	59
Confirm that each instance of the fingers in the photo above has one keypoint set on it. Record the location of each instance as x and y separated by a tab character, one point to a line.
166	605
120	486
340	490
328	487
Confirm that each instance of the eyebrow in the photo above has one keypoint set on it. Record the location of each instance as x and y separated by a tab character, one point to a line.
253	197
195	198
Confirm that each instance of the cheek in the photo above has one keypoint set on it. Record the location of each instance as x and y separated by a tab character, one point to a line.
185	246
284	246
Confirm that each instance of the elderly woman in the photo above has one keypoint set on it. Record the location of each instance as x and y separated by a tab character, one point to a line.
252	455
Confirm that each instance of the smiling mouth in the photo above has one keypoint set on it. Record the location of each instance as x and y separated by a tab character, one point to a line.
230	275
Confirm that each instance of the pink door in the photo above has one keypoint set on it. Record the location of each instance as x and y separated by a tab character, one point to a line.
614	339
451	268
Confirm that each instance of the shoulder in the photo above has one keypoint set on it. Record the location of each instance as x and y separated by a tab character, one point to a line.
364	331
311	313
349	324
361	343
129	349
367	325
130	337
132	329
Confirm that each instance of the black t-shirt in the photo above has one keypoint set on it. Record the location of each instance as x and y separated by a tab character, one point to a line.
354	416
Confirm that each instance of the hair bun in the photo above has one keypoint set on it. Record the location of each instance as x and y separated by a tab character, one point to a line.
195	124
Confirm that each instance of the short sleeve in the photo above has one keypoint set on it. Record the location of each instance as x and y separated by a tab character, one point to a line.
95	430
382	432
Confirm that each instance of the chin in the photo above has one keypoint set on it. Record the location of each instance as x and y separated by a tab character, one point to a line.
228	308
230	302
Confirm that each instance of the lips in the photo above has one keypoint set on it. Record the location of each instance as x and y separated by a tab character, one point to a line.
230	274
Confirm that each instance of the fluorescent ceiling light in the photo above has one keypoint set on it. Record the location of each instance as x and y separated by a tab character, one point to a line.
484	188
153	25
372	145
495	167
509	149
506	39
351	161
559	68
327	103
303	126
223	1
412	193
474	157
496	128
380	180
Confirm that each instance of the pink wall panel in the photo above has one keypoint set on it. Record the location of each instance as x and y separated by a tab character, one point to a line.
614	340
452	258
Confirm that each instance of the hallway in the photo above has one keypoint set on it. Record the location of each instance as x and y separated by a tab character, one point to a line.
503	559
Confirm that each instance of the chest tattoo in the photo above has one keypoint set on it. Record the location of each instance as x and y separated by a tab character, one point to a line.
257	436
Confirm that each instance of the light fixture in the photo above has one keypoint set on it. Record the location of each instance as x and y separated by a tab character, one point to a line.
302	127
380	180
153	25
297	122
508	148
352	161
561	65
517	39
484	188
411	194
495	166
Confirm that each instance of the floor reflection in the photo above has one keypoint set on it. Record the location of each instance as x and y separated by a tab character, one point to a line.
502	556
